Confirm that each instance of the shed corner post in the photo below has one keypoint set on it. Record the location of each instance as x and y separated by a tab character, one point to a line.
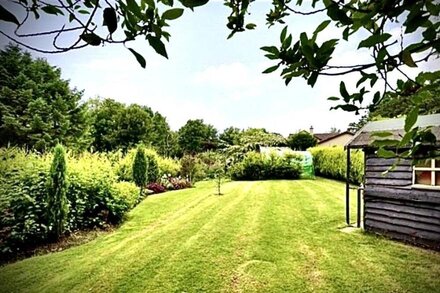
347	188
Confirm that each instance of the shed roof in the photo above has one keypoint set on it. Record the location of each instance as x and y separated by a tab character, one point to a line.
363	137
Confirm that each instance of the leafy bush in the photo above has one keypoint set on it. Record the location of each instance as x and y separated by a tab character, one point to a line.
123	167
168	166
23	221
190	167
95	198
156	187
128	192
256	166
175	183
331	162
91	193
210	164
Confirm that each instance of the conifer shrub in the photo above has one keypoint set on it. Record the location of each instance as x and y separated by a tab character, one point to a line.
152	167
140	168
56	199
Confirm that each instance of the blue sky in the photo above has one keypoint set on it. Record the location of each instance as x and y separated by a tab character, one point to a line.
212	78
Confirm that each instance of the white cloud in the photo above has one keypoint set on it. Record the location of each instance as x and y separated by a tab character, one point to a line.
228	76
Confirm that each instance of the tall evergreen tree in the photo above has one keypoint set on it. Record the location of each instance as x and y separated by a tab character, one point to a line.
37	107
161	134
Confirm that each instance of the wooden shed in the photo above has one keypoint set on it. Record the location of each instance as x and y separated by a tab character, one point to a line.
403	204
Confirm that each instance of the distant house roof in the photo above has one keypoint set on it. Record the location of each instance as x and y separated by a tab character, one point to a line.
321	137
363	137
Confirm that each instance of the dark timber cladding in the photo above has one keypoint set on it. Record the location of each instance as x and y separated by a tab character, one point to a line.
393	206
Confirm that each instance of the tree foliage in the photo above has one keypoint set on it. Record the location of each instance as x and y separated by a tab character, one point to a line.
57	206
37	107
393	105
196	136
260	136
105	122
231	135
301	141
117	126
426	99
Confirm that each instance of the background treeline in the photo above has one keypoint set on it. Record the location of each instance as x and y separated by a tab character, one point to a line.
39	109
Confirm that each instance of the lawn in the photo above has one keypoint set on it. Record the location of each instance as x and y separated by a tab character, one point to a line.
271	236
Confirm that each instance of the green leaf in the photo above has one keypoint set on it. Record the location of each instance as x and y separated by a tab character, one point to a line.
304	40
172	13
271	69
321	27
343	91
429	34
376	97
287	42
312	79
50	9
373	80
346	33
193	3
383	153
151	3
386	143
333	98
349	108
134	8
139	58
5	15
283	34
251	26
407	59
411	118
110	19
337	14
157	45
407	137
91	39
374	40
271	49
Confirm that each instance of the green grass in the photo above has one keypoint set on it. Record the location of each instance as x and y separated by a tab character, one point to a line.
272	236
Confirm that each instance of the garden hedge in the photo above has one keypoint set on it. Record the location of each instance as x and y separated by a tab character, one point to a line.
331	162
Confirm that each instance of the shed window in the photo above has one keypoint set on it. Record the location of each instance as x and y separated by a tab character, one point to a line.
427	173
